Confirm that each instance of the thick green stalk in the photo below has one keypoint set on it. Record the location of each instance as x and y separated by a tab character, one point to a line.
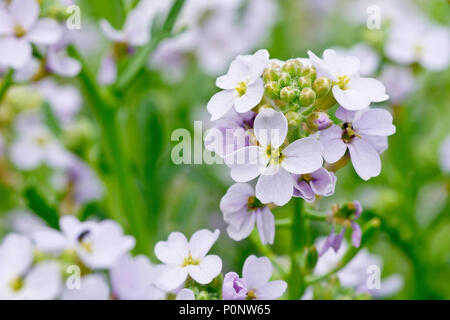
6	83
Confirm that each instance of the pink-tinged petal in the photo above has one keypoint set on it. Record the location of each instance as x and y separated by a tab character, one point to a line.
207	270
24	12
251	98
265	222
303	190
333	146
236	197
277	187
238	72
6	24
171	277
45	32
174	250
108	70
365	159
111	33
375	122
185	294
372	88
303	156
323	182
270	128
256	272
242	230
356	234
15	53
351	99
345	115
201	242
246	163
271	290
221	103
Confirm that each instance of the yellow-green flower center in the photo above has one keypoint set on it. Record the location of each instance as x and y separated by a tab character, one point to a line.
16	284
19	32
275	156
189	261
241	88
342	82
348	133
251	295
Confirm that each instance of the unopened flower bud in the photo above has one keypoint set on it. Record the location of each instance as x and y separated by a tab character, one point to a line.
272	90
307	97
311	258
309	71
304	82
292	118
203	295
284	79
289	94
322	121
322	86
271	74
293	67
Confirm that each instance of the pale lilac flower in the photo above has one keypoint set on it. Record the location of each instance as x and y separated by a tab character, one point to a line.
24	222
92	287
411	41
399	82
99	245
350	90
133	278
20	26
20	278
185	294
241	210
367	56
321	182
364	134
243	86
323	121
183	258
254	284
230	133
87	185
355	273
273	162
445	155
59	62
35	146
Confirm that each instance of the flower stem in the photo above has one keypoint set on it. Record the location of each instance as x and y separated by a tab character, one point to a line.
266	251
6	83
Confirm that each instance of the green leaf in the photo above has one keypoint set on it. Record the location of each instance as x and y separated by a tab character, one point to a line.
40	206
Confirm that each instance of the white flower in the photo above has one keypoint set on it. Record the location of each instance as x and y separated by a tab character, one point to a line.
243	86
20	27
35	146
183	258
19	278
350	90
92	287
367	55
98	244
272	161
185	294
132	278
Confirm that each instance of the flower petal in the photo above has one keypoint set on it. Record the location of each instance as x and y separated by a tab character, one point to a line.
277	187
372	88
185	294
323	182
207	270
333	146
202	241
271	290
45	32
303	156
256	272
303	190
15	53
265	222
220	104
246	163
251	98
171	277
242	230
174	250
24	12
375	122
351	99
236	197
43	282
365	159
270	128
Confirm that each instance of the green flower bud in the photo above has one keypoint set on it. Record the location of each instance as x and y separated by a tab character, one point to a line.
292	118
272	90
271	74
284	79
311	258
293	67
309	71
304	82
322	86
203	295
307	97
289	94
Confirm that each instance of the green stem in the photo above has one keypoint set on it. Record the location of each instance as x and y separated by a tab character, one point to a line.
267	251
308	213
6	83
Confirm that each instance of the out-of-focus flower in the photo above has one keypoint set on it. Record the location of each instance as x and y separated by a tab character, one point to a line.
20	27
19	278
368	57
417	41
185	294
87	186
92	287
350	90
241	210
24	222
399	82
183	258
132	278
272	162
364	134
254	284
59	62
355	273
99	245
230	133
445	155
35	146
243	87
320	182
